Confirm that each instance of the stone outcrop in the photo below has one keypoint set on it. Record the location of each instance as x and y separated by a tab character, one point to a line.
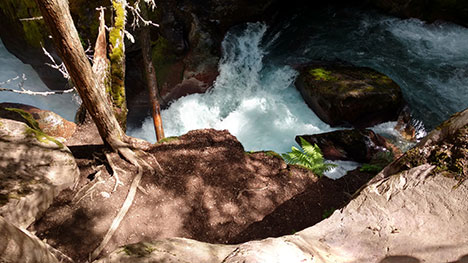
345	95
17	246
49	122
415	210
34	168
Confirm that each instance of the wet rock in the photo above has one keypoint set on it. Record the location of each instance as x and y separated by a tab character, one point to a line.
345	95
49	122
34	168
349	145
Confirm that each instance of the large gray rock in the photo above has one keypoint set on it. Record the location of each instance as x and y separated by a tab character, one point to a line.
34	168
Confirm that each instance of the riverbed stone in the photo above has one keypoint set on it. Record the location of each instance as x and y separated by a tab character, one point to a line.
350	145
34	168
344	95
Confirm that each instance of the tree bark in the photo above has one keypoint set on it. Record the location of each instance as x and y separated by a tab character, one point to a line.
67	42
150	74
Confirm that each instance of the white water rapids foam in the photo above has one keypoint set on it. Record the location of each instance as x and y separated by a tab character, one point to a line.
254	96
258	105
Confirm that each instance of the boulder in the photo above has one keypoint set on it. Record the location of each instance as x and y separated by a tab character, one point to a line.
415	210
49	122
18	246
34	168
345	95
350	145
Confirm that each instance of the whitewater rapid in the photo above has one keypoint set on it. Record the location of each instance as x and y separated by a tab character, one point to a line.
258	105
254	95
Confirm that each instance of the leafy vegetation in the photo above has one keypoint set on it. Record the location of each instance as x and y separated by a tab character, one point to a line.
308	156
328	212
371	168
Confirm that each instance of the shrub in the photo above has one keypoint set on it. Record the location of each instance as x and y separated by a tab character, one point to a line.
308	156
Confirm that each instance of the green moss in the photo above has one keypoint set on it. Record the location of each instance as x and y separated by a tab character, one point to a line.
371	168
34	30
168	139
117	58
163	57
42	137
27	117
34	128
139	249
322	74
449	157
328	212
267	153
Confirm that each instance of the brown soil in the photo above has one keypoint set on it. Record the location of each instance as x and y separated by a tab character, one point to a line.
210	190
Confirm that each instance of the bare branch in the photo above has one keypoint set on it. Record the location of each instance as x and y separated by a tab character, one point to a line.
137	17
31	18
61	68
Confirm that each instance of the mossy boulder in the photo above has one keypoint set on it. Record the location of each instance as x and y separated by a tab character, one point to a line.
34	168
47	121
345	95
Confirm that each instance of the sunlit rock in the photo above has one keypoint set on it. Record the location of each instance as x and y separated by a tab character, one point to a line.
34	168
17	246
49	122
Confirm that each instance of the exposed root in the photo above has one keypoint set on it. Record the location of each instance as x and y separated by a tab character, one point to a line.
141	166
114	172
88	188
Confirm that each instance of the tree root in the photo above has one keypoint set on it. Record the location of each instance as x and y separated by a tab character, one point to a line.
88	188
141	166
114	172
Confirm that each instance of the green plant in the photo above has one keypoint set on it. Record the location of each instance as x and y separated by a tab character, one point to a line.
370	168
328	212
308	156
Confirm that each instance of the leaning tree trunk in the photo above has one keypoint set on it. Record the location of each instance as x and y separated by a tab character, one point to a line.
67	42
150	74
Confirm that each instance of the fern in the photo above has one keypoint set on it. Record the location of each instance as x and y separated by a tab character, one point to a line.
308	156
